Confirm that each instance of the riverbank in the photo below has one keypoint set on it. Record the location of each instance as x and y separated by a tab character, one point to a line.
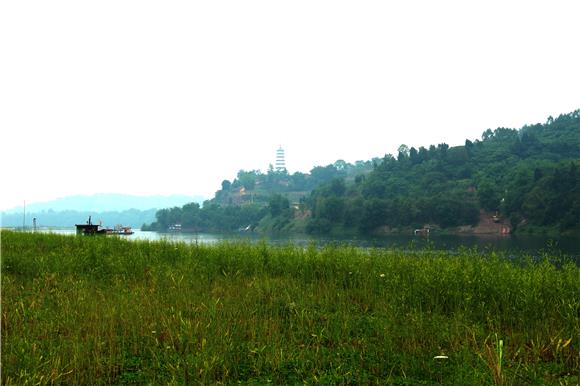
487	225
85	310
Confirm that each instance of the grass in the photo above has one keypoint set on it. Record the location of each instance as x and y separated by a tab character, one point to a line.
82	310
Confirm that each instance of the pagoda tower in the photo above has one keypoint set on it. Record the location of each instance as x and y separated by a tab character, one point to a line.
280	161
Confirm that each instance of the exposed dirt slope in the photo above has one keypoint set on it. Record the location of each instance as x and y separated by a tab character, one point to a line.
487	226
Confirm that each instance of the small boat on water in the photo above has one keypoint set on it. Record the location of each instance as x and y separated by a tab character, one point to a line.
120	230
93	229
174	228
90	229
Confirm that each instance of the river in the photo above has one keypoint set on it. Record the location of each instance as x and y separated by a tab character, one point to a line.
534	245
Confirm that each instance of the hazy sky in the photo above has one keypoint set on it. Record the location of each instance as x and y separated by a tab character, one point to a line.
164	97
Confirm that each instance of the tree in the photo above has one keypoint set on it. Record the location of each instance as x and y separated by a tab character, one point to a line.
442	151
403	153
190	216
487	135
247	179
414	156
423	154
278	204
299	181
374	214
340	165
337	187
324	174
330	208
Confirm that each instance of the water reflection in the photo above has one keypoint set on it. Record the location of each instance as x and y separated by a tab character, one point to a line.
534	245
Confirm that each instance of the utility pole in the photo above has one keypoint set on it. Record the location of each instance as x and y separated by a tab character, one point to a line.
24	217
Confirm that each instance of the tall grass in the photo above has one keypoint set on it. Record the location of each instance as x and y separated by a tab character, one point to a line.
82	310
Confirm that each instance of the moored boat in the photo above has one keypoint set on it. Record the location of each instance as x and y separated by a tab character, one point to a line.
90	229
120	230
93	229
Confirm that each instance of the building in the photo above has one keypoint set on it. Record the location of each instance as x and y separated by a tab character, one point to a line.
280	160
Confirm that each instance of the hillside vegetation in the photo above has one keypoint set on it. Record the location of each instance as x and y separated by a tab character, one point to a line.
527	178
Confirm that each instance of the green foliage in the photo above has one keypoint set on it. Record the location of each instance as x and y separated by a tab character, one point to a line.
246	179
259	200
529	176
489	195
82	310
278	205
210	217
554	199
326	173
226	185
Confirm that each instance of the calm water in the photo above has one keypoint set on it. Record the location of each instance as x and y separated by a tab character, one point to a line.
529	244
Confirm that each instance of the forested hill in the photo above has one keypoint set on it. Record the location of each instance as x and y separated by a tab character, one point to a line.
268	201
527	178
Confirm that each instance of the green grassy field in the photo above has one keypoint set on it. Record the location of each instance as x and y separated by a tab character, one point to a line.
82	310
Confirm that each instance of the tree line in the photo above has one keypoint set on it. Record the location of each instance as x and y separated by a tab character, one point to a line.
528	177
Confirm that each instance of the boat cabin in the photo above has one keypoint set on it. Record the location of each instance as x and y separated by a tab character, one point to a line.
89	228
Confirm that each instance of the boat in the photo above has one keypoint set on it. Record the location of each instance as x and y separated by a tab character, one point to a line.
174	228
93	229
120	230
90	229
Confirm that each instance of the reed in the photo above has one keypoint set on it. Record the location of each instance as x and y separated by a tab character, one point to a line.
82	310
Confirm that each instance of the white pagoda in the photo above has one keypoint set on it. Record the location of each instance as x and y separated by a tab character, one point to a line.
280	161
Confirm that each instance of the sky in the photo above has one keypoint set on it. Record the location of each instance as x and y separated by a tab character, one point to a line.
150	97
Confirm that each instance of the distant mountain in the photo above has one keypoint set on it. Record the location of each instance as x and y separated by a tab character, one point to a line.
68	218
105	202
